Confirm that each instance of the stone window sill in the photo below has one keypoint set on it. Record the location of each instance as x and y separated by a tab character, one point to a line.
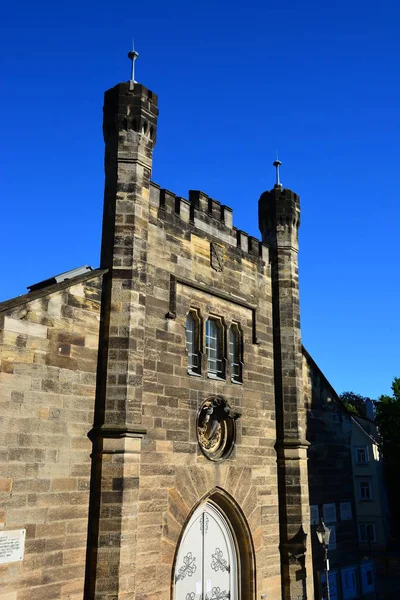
212	376
193	373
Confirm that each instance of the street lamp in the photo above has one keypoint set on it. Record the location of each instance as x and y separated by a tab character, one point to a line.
323	534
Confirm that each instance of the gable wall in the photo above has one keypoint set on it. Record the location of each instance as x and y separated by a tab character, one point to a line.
48	360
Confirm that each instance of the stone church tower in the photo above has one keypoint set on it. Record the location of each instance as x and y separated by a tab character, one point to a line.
199	388
153	438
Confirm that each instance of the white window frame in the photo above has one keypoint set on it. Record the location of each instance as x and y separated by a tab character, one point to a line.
364	450
361	484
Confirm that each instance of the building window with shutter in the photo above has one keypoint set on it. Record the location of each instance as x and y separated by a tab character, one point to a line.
235	352
193	338
215	347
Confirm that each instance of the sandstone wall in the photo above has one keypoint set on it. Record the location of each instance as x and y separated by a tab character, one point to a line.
48	359
174	475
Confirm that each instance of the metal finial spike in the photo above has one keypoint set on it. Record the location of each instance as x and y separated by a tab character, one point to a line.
277	163
133	55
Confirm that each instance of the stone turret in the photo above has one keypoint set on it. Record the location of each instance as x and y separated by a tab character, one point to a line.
279	219
129	126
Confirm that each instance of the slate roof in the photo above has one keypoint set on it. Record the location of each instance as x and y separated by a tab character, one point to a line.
50	289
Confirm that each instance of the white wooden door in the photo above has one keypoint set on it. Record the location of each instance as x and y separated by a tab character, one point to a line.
206	566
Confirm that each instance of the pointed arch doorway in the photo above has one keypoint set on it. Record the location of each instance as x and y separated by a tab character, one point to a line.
206	566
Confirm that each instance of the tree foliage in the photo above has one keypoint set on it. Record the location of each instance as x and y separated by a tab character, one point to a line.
355	403
388	420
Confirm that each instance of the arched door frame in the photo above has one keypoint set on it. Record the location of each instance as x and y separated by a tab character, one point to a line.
241	535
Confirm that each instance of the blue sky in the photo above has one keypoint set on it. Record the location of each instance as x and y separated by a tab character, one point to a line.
236	82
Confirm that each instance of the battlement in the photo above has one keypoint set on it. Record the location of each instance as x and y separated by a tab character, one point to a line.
125	94
130	108
207	215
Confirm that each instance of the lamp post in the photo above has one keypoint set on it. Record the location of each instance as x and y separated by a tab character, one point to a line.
323	534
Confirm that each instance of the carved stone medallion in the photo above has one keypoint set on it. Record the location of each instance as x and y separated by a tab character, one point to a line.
216	428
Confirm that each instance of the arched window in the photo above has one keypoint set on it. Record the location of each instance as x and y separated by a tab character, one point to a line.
193	342
235	352
215	347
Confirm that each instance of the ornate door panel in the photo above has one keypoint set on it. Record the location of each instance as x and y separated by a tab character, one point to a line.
220	569
189	563
206	566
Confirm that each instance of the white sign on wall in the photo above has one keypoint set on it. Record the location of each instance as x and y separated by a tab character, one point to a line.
12	544
329	513
345	511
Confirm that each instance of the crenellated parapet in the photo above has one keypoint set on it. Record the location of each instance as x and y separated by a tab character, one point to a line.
205	214
128	108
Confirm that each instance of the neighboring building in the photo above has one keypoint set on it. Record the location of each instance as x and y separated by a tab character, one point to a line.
369	488
371	505
181	360
330	476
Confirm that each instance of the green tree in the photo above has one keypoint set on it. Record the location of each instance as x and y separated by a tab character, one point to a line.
388	421
388	417
354	403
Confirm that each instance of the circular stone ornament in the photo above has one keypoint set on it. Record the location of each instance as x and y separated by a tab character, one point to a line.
216	428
